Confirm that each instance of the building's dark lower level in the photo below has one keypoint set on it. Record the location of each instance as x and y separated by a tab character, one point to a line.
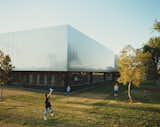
59	80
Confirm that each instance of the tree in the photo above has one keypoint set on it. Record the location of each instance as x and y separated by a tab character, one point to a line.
156	26
5	70
153	46
131	66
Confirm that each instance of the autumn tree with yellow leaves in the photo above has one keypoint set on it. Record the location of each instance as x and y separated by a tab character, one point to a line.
131	66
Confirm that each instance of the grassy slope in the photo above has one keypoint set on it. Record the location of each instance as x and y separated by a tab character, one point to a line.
90	108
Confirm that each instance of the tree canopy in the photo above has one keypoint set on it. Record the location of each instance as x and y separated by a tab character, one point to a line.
153	46
156	26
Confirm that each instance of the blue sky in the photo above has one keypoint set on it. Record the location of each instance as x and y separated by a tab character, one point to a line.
113	23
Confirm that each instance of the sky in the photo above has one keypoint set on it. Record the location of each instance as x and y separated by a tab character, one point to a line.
113	23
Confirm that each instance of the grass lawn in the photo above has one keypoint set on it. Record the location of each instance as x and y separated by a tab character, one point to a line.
95	107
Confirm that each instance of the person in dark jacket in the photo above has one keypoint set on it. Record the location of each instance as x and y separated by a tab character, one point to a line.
48	105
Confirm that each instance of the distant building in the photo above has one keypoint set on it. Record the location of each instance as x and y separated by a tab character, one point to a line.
55	56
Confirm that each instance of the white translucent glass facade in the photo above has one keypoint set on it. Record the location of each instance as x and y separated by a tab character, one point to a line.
60	48
38	50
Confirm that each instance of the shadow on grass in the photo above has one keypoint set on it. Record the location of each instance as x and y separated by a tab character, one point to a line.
146	93
108	104
141	108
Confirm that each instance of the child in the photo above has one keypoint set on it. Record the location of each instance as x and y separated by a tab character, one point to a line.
48	106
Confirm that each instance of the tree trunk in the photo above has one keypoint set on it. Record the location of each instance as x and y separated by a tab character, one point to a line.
1	97
129	91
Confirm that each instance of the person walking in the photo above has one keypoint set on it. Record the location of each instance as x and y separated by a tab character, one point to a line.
116	88
68	89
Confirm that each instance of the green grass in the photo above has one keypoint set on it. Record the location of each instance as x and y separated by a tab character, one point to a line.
96	107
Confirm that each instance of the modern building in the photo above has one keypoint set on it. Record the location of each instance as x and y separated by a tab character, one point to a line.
56	56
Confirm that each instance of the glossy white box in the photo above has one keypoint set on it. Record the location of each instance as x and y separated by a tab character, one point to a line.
60	48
